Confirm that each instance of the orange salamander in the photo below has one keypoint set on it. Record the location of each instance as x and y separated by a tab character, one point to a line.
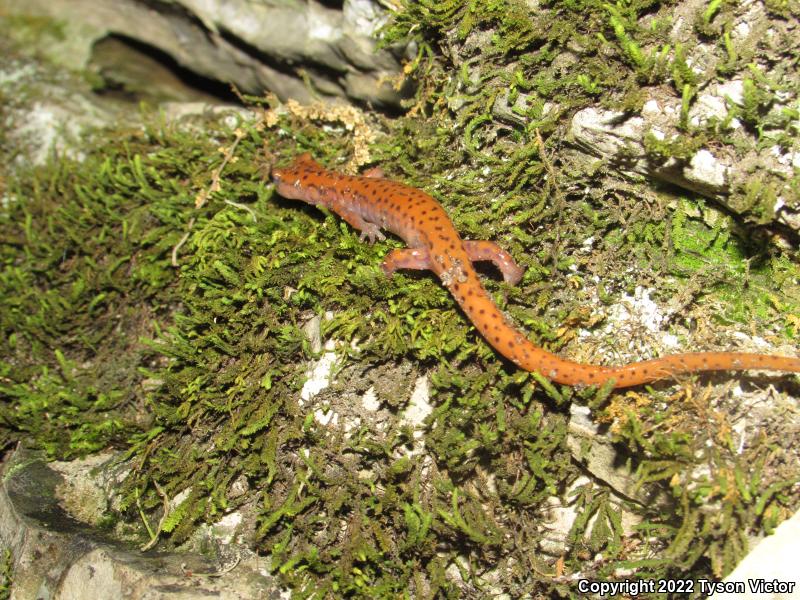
371	203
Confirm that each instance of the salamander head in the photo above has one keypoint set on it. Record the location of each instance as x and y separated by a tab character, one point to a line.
297	181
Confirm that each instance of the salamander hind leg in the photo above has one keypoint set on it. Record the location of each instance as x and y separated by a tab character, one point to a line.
481	250
406	258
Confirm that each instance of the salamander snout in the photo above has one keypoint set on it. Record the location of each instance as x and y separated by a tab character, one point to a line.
285	185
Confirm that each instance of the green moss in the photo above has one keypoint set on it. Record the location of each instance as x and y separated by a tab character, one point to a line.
238	360
681	147
198	367
702	539
84	252
31	30
6	574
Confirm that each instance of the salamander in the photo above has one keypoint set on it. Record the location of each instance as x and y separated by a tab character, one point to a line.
370	203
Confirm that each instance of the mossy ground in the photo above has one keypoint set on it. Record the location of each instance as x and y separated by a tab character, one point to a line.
134	317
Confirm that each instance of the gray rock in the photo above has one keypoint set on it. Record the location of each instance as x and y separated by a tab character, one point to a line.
620	139
300	50
47	112
47	521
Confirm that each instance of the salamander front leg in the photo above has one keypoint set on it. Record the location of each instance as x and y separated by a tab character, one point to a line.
406	258
368	229
481	250
374	172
